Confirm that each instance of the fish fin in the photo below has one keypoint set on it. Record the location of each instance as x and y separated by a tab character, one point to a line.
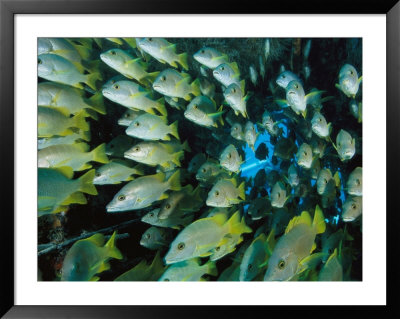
161	107
176	158
242	87
86	183
242	193
131	42
99	154
319	220
67	171
270	242
304	113
304	218
83	147
235	68
78	66
337	179
174	129
334	254
174	181
282	103
311	261
103	267
80	122
96	101
84	167
222	57
152	76
75	198
97	239
338	86
92	78
360	79
186	147
237	225
94	278
83	51
183	60
206	254
195	85
314	246
113	251
90	113
211	268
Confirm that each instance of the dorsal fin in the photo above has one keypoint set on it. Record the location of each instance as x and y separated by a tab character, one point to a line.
304	218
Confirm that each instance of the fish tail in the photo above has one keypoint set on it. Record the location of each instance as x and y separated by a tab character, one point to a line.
174	129
86	183
183	60
85	135
236	225
97	103
161	107
242	194
176	158
83	51
92	78
152	76
186	147
80	122
211	268
99	154
319	220
175	181
196	87
112	250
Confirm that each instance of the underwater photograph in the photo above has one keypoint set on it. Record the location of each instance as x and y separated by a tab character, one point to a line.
199	159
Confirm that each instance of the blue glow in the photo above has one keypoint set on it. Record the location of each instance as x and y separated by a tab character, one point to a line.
313	182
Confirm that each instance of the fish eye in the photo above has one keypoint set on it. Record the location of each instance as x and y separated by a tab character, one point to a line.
112	52
39	61
168	206
305	153
284	76
195	107
204	170
163	78
148	236
236	128
281	264
137	124
98	174
358	182
166	279
116	86
121	198
216	193
151	214
126	115
112	146
136	149
325	181
330	251
229	155
150	39
296	86
351	72
202	51
234	90
250	266
354	206
222	68
320	119
338	144
217	248
181	246
279	195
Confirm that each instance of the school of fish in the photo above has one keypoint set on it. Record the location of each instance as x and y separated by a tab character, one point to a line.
191	126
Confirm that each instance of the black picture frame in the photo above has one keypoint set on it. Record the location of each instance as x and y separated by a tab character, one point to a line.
8	10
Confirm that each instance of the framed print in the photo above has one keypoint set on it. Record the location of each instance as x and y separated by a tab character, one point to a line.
162	160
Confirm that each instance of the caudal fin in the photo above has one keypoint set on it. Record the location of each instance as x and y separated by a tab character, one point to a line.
176	158
174	129
237	225
242	194
319	220
183	60
97	103
175	181
91	80
196	87
152	76
211	268
113	251
80	122
86	183
161	107
99	154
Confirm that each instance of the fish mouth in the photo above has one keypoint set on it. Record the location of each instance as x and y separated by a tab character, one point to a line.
348	219
216	73
111	209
